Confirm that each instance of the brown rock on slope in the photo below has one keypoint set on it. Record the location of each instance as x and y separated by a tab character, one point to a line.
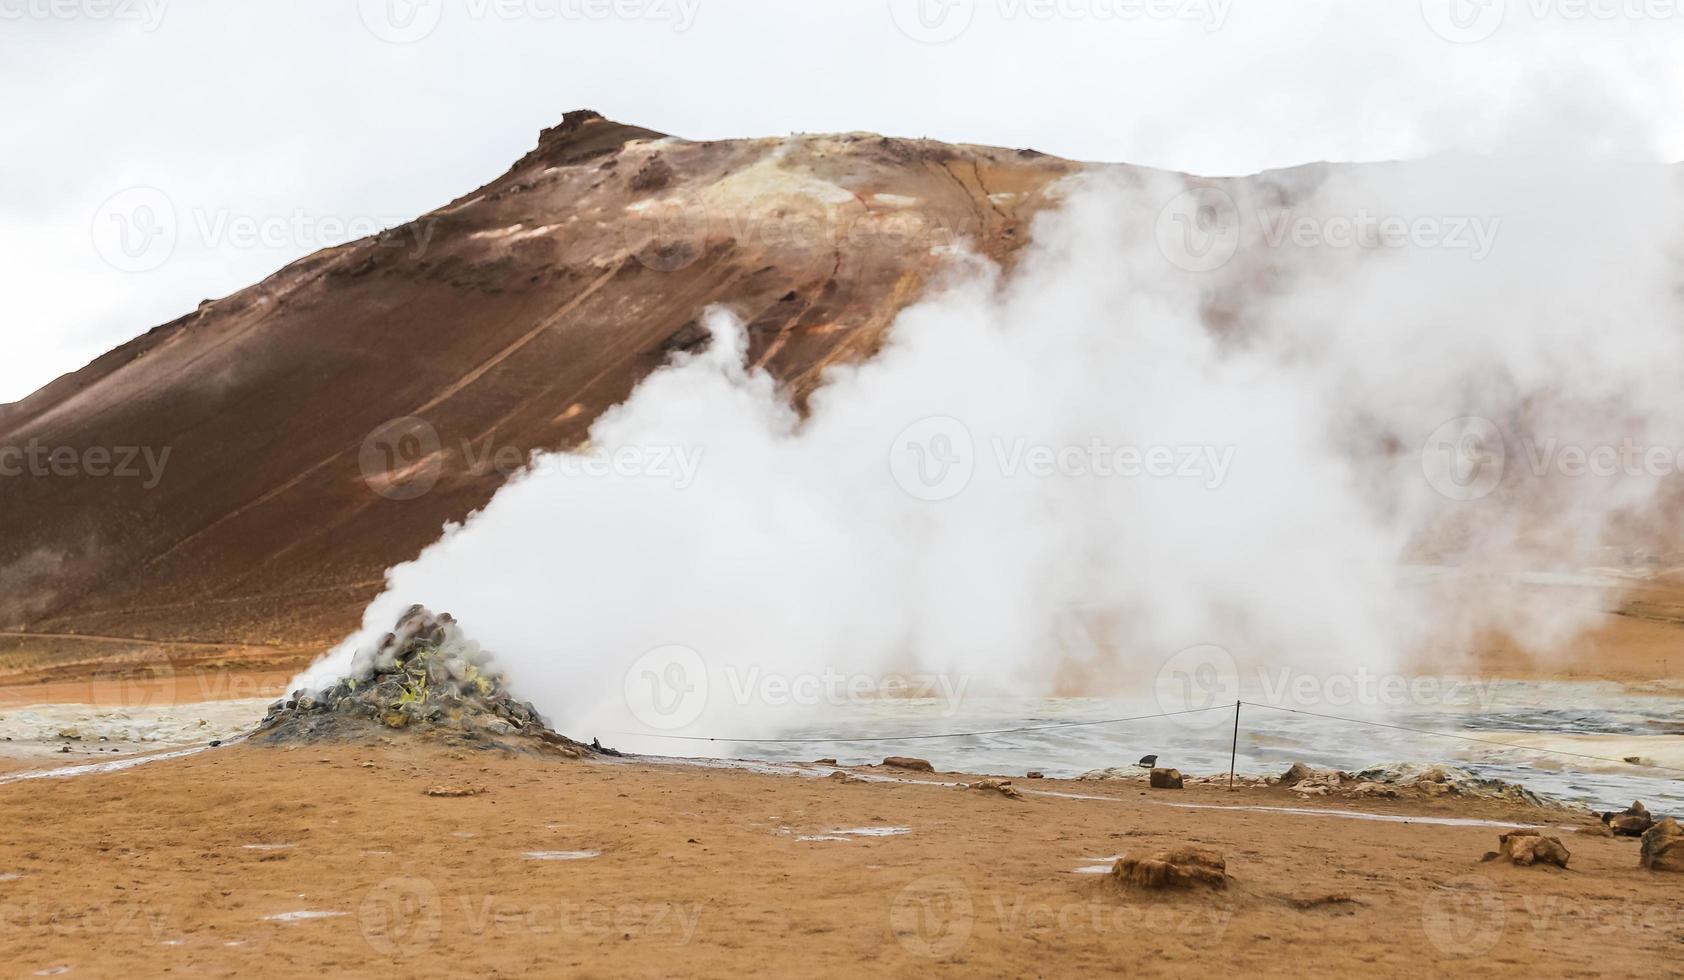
535	302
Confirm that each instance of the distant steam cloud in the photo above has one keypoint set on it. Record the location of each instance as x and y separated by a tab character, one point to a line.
1222	412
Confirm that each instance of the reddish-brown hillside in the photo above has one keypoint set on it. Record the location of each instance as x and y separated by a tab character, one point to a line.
505	321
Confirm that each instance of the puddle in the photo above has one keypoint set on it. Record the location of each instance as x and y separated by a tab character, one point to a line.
10	876
266	847
851	832
561	855
52	971
305	915
1525	722
1098	869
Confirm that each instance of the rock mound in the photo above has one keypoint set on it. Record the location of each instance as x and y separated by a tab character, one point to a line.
1634	821
1663	847
1401	780
426	678
1184	867
1529	846
1394	781
1166	779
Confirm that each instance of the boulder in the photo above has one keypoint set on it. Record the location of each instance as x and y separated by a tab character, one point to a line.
1166	779
1634	821
903	762
1529	846
1184	867
1663	847
1296	774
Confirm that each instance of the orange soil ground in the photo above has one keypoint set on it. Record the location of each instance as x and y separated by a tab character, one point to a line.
702	873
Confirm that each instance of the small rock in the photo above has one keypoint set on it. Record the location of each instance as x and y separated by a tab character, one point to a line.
1002	786
1663	847
824	762
1184	867
453	792
904	762
1166	779
1528	846
1034	775
844	777
1634	821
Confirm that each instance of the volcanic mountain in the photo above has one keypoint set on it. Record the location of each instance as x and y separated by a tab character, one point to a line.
324	423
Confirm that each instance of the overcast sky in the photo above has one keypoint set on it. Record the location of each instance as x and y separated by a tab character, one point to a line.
250	133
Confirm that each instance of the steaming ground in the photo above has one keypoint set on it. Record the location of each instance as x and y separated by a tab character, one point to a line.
1230	421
